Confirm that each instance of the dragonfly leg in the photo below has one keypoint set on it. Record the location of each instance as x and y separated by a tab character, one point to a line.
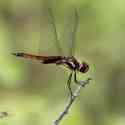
75	78
83	83
69	84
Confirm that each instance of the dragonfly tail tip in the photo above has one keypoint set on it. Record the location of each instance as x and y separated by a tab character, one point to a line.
17	54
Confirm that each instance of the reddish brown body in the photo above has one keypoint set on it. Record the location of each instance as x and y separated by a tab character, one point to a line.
69	62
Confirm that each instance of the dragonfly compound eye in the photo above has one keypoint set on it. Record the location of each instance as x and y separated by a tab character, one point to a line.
84	67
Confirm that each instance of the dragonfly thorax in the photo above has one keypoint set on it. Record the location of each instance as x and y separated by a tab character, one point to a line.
73	64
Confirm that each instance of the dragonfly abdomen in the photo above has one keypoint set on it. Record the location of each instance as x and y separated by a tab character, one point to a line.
28	56
42	59
52	59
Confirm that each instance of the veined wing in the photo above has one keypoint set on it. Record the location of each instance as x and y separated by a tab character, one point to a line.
49	37
54	31
69	35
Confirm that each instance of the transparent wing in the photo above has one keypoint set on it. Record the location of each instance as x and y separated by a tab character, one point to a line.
49	40
54	31
69	35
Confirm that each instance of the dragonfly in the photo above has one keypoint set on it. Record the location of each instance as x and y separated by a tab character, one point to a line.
70	61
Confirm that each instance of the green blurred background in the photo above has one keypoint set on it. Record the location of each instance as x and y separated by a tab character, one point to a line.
35	94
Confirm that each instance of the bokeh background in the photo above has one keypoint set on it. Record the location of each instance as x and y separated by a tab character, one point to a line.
35	94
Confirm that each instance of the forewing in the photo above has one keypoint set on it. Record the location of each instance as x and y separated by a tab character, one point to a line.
49	36
69	33
54	31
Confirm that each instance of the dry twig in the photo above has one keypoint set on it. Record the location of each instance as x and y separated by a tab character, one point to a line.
70	101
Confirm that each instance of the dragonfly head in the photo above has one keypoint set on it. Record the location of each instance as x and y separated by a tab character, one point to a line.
84	67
